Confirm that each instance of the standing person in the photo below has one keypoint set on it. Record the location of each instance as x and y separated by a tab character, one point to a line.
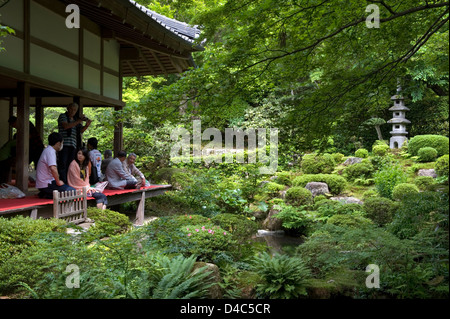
116	175
70	127
47	177
36	146
78	177
96	158
130	168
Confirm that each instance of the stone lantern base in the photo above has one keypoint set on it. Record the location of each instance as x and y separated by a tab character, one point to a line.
397	141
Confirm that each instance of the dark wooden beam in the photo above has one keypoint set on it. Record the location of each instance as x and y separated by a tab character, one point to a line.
118	135
23	131
39	118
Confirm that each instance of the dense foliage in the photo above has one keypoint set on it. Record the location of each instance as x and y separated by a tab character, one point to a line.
316	71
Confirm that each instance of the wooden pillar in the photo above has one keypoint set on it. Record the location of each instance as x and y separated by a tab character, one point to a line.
118	134
23	132
140	211
39	118
77	99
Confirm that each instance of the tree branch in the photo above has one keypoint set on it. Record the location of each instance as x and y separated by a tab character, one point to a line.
341	29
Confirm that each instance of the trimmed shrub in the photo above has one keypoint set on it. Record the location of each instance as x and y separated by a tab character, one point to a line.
16	233
338	157
345	220
318	198
107	223
317	163
380	142
298	196
240	227
273	189
380	150
379	209
284	178
362	152
438	142
441	166
403	189
422	182
335	183
359	170
427	154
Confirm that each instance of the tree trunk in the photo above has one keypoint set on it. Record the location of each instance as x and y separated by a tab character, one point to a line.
380	137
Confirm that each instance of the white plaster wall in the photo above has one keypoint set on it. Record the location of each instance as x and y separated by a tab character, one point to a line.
110	86
51	27
91	79
111	51
52	66
91	46
12	14
12	56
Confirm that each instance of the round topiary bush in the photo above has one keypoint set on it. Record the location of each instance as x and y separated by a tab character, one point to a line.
379	209
403	189
427	154
359	170
438	142
441	166
298	196
380	150
362	152
422	182
317	163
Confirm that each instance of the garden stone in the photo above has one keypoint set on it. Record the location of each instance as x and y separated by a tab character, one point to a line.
352	160
348	200
271	222
427	172
214	292
317	188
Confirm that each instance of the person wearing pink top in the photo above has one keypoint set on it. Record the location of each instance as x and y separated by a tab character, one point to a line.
78	177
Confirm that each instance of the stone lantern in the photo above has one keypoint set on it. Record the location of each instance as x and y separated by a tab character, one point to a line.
398	121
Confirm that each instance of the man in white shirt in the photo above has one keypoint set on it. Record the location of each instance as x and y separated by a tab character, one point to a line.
47	177
130	168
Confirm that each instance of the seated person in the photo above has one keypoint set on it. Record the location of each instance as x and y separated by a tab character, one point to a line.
7	154
116	176
129	167
106	160
95	157
47	177
78	177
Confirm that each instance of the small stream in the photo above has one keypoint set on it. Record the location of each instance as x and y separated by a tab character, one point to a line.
278	241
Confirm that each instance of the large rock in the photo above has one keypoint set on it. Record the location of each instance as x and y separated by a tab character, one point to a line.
317	188
347	200
427	172
272	222
214	292
352	160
